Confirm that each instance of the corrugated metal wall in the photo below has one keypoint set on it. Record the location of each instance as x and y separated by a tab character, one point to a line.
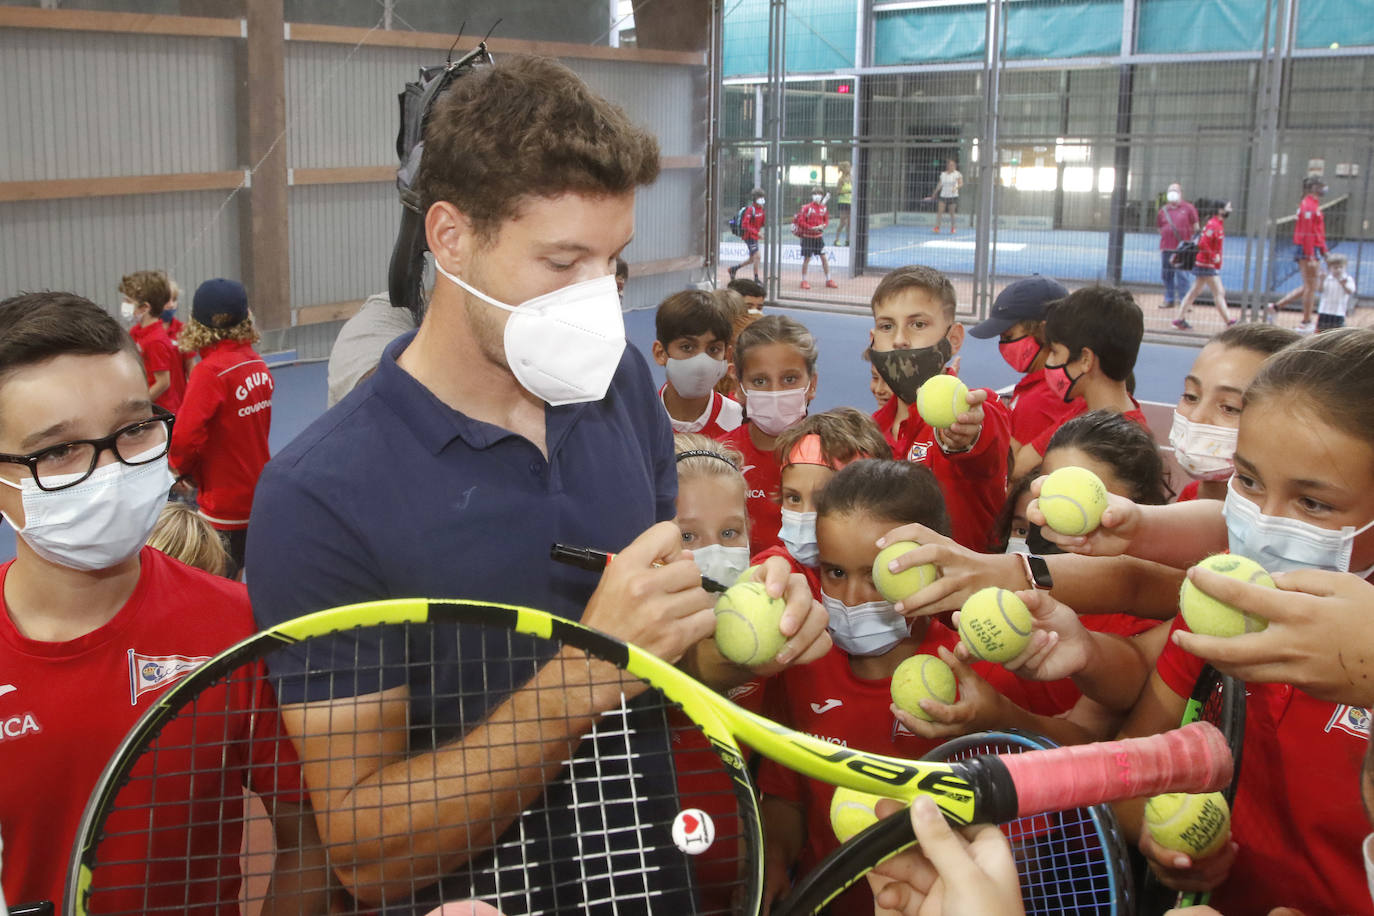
341	238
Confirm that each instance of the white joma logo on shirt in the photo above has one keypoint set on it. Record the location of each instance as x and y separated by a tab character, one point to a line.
7	688
828	705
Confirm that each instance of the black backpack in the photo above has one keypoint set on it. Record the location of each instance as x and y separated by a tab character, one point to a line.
737	223
406	273
1185	256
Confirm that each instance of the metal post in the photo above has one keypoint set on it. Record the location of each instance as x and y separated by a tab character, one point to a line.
858	157
1263	168
715	72
985	232
777	74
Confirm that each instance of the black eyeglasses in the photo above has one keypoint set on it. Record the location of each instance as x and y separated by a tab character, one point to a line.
66	465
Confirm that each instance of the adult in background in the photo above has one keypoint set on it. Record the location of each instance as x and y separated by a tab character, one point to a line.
514	417
1177	222
946	195
1309	238
220	440
358	348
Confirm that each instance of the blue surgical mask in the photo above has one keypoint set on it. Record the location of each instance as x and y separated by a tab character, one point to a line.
724	564
1284	544
799	537
871	628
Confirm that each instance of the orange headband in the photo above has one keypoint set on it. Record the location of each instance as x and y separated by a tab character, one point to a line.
808	451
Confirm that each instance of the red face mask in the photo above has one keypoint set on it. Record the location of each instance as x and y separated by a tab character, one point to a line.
1020	352
1060	382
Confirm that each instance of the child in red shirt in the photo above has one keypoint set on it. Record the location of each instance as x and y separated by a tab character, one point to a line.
146	293
693	331
775	360
1207	268
1309	238
809	226
220	439
915	334
751	223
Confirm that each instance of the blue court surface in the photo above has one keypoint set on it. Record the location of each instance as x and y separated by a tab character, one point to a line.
843	375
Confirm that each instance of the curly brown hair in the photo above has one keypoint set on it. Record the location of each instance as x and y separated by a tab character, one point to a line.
527	127
195	336
150	286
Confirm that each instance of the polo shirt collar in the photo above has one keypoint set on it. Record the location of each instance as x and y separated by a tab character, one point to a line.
436	425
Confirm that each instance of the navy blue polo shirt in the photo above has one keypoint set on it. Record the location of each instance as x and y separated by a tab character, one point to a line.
393	494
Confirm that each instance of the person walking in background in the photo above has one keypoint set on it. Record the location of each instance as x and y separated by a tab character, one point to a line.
809	226
750	222
220	439
844	194
1309	236
1178	223
946	195
1207	268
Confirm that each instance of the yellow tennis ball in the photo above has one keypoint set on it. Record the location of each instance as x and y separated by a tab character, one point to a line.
1073	500
747	622
851	812
995	624
898	586
745	576
1198	825
919	677
941	399
1205	614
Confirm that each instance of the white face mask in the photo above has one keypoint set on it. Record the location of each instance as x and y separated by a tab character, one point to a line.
759	201
724	564
1016	545
563	346
1173	197
1205	452
816	198
126	310
97	523
1284	544
774	411
695	376
867	629
798	535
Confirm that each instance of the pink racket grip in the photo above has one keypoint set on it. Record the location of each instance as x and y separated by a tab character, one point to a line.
1194	758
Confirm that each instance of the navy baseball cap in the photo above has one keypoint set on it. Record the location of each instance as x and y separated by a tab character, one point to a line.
220	304
1024	300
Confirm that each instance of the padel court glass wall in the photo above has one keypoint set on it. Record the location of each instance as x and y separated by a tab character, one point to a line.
1067	119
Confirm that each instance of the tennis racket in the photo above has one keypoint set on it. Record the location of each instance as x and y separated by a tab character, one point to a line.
649	808
1070	861
1219	699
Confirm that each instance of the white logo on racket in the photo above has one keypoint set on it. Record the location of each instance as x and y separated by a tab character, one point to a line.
693	831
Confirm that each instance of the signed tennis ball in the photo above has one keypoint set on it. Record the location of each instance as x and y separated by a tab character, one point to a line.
897	586
1073	500
941	399
995	624
1205	614
745	576
747	622
1198	825
919	677
851	812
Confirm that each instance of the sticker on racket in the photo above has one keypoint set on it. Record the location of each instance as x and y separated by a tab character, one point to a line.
462	750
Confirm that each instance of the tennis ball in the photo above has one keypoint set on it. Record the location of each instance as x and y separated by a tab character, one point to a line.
1205	614
919	677
1198	825
745	576
897	586
995	624
1073	500
851	812
941	399
747	621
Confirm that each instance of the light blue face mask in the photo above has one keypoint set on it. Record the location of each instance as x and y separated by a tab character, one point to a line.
871	628
1285	544
798	535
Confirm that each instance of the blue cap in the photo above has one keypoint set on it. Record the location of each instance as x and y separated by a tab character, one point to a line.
1024	300
220	304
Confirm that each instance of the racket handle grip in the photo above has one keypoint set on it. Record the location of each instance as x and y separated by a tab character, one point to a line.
1194	758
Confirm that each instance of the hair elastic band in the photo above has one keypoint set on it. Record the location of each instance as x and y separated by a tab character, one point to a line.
808	450
703	453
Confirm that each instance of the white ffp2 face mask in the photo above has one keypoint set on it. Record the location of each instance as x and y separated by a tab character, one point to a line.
97	523
1204	452
871	628
695	376
721	563
798	535
563	346
774	411
1284	544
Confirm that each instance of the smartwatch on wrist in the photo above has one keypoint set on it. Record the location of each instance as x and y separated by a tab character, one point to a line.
1037	571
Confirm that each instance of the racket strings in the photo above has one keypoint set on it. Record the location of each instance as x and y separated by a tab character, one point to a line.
194	825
